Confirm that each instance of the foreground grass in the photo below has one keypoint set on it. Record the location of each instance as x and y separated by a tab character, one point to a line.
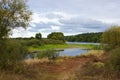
45	70
85	67
60	46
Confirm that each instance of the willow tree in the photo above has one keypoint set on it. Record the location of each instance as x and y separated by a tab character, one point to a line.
111	37
13	13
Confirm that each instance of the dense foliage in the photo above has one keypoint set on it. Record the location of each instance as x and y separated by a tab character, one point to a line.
114	59
56	36
12	53
111	44
36	42
86	37
111	37
38	36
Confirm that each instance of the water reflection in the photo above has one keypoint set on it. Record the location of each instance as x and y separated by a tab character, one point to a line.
83	43
72	52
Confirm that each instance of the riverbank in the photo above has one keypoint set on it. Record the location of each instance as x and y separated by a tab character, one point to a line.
90	66
63	68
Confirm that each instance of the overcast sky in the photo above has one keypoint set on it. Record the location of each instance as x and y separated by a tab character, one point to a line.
70	16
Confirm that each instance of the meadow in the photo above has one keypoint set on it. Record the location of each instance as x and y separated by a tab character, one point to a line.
60	46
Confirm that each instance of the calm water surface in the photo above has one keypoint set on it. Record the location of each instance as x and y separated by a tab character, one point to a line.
83	43
72	52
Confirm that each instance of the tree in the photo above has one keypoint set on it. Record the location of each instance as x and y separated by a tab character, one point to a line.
13	14
56	36
38	36
111	37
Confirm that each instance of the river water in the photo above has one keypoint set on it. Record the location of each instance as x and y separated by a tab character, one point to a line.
82	43
68	51
72	52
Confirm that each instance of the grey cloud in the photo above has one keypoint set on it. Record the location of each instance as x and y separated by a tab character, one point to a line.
41	26
73	25
79	25
88	8
52	15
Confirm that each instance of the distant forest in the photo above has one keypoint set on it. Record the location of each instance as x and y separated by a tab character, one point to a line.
85	37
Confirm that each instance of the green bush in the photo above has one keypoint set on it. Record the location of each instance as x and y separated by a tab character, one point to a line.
37	42
111	38
33	42
56	36
114	59
107	48
12	54
52	41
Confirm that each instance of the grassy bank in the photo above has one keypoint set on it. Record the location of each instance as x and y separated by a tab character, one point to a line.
60	46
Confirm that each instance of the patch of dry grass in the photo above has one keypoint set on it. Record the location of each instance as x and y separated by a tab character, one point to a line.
96	53
36	60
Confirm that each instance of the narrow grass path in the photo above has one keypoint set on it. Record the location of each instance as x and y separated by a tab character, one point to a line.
62	70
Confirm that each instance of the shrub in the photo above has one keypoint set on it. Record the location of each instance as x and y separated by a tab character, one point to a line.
33	42
56	36
52	41
12	54
111	37
114	59
38	36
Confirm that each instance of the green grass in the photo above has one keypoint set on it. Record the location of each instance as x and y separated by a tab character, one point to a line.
61	46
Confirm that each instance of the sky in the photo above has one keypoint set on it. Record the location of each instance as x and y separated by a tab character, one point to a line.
70	17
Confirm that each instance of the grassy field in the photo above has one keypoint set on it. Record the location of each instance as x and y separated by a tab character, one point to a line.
61	46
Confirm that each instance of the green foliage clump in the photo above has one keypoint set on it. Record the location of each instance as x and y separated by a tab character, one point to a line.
38	36
51	41
114	59
111	38
56	36
33	42
12	54
37	43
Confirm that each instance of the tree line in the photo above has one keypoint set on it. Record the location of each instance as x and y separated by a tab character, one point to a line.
85	37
